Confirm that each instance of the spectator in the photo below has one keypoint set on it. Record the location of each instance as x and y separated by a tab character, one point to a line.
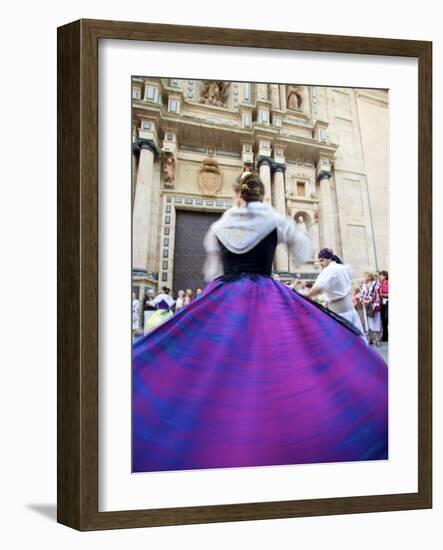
384	293
135	313
358	305
148	308
370	294
189	296
180	302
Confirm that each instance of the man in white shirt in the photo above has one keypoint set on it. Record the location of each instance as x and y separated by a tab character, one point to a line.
334	282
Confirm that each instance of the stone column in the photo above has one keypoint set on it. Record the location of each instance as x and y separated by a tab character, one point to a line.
141	217
264	166
283	97
327	228
281	253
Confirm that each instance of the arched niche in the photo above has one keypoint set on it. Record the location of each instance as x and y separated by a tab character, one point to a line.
307	220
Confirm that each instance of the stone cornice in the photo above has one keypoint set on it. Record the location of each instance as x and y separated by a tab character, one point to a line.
296	199
201	132
232	123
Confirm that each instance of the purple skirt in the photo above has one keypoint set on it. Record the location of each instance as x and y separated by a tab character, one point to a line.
252	374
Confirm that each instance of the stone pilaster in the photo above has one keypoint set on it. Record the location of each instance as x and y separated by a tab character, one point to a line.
315	234
279	195
141	218
275	96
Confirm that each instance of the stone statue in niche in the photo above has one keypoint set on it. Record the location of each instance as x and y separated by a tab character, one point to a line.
214	92
210	177
301	223
294	98
168	170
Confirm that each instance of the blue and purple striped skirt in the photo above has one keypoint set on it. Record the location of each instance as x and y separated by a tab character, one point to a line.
252	374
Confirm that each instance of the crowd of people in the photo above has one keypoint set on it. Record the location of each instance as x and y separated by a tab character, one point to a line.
370	299
154	309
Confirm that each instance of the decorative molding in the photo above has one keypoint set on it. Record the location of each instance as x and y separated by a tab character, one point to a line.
278	167
262	159
140	144
323	174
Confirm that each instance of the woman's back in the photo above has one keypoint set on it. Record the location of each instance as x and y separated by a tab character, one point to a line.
257	260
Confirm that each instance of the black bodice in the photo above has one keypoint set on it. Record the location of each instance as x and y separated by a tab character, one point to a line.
258	260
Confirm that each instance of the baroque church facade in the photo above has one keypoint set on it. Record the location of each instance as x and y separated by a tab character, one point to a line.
321	152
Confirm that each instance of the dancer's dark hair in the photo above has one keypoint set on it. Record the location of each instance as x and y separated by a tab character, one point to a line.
328	254
250	187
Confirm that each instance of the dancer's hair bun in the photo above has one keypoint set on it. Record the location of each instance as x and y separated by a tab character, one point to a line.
250	187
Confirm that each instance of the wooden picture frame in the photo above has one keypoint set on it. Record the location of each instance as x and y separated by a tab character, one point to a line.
78	274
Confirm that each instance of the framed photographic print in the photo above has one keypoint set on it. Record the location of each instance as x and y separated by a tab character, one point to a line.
244	274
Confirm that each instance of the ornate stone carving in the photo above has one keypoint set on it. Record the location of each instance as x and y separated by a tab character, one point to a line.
214	92
294	98
168	170
210	177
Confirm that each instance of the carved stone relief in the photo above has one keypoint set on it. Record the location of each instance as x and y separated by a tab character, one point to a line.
168	170
214	92
210	177
294	98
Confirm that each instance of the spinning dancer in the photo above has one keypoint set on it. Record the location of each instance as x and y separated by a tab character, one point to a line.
251	373
163	303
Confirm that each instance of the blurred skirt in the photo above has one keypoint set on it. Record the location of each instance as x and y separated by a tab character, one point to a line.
253	374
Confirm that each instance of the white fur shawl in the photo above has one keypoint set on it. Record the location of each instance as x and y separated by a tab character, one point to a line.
241	228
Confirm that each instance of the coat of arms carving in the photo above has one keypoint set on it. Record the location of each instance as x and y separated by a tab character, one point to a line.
210	177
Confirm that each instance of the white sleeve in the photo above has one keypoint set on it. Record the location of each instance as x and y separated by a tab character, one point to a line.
213	266
324	280
156	300
299	242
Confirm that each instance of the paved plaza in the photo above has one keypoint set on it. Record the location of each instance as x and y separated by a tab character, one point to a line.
383	350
